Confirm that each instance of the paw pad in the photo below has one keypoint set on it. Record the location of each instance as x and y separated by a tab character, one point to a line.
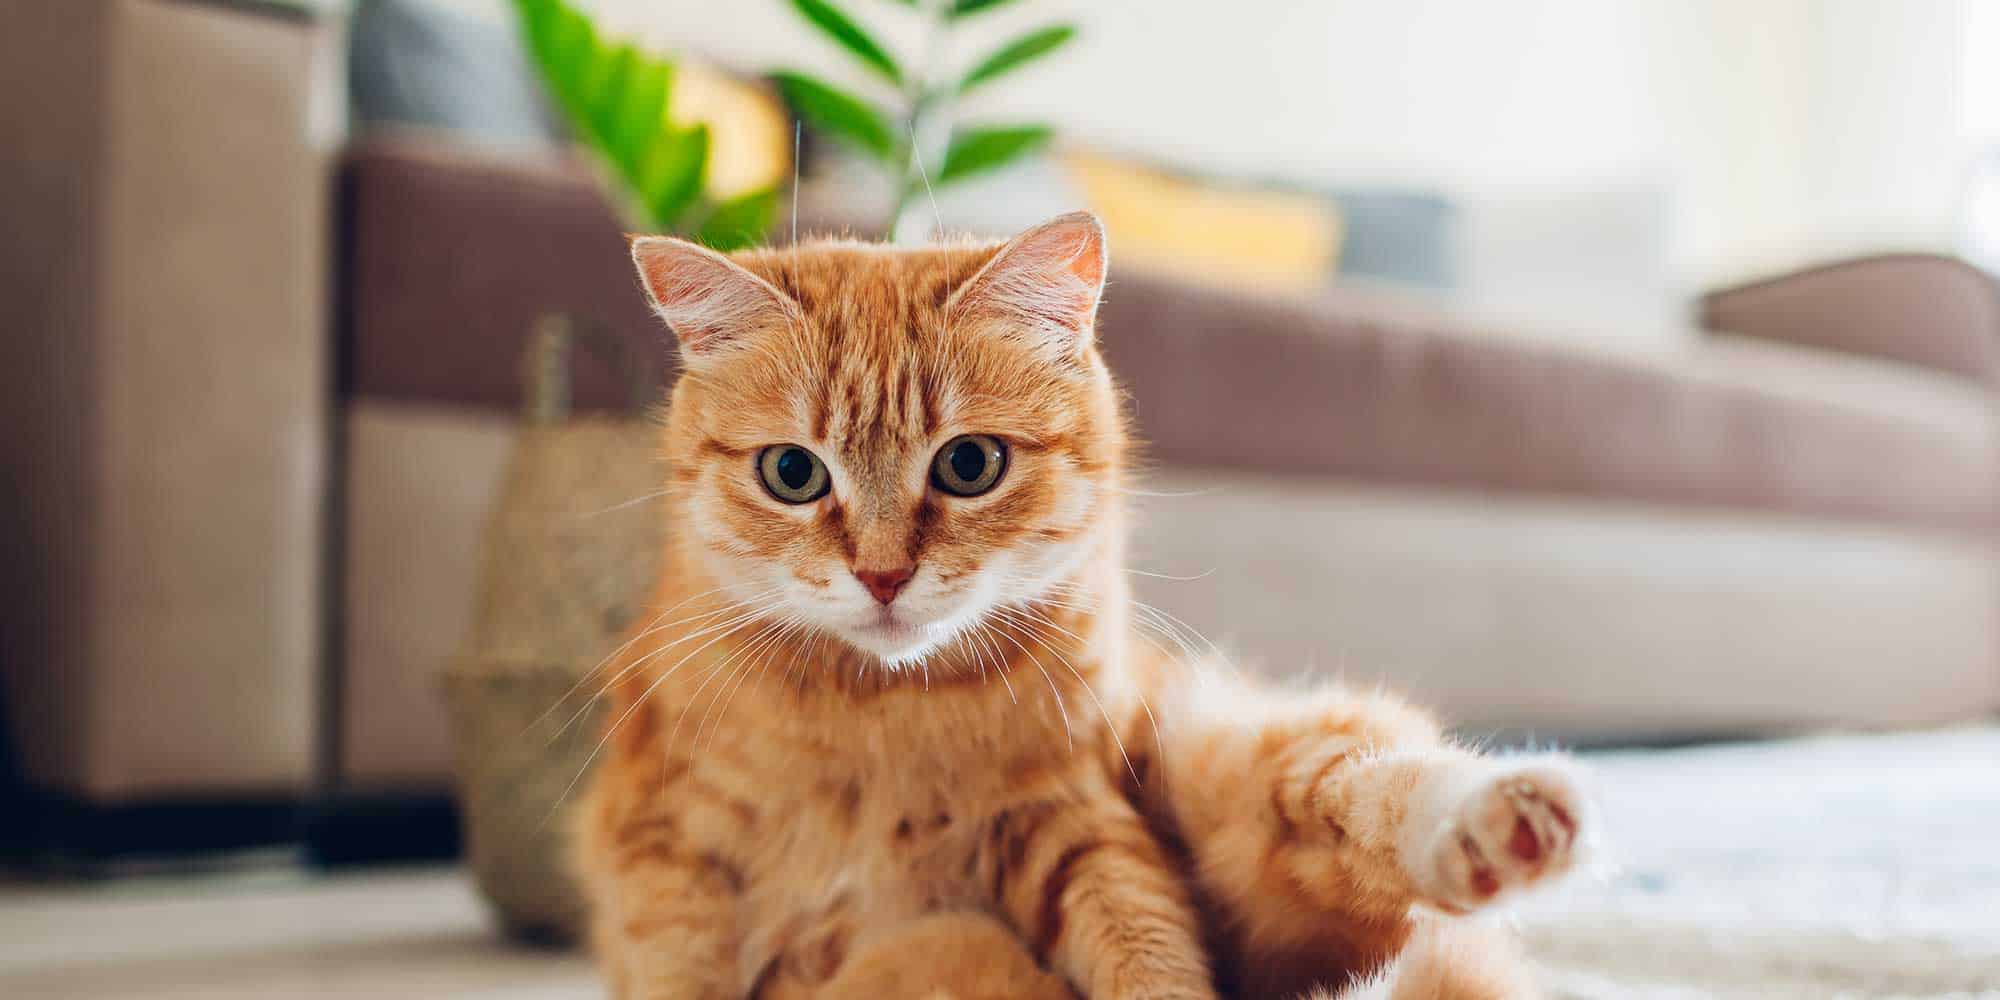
1517	829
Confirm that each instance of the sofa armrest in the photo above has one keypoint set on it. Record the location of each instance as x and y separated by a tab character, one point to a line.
1923	309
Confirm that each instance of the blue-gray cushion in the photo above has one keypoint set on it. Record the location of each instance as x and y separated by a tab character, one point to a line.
413	62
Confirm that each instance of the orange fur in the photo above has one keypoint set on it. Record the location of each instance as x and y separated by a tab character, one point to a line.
987	785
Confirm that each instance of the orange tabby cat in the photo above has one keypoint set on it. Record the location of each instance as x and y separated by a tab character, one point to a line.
893	734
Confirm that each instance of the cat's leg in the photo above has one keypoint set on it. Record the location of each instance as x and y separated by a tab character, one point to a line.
666	931
1447	960
1316	821
663	908
1084	882
944	956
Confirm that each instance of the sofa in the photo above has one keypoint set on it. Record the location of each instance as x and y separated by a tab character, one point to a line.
1787	525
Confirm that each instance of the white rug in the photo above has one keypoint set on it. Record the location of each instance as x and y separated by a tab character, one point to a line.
1858	866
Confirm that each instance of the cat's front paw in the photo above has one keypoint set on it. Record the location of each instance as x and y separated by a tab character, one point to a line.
1519	825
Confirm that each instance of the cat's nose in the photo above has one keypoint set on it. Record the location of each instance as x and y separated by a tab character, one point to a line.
885	584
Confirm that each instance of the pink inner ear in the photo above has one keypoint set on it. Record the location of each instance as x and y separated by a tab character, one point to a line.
1088	262
1048	279
706	298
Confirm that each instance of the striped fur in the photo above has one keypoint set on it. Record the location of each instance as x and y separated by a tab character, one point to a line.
1006	791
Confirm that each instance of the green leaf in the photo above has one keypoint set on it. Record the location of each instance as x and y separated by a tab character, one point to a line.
564	45
740	221
841	28
615	98
976	150
837	112
967	8
604	91
1024	49
669	178
638	118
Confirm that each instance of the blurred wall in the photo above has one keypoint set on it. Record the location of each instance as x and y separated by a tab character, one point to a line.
1783	129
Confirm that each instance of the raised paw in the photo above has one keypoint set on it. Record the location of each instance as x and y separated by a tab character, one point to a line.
1513	827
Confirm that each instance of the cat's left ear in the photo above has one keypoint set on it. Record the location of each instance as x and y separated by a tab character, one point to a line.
1045	282
708	300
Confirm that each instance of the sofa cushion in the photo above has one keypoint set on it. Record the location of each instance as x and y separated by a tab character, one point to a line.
1348	386
1582	621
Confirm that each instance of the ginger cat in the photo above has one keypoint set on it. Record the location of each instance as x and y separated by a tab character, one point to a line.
893	733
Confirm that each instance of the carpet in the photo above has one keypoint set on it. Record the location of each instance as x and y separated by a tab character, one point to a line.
1838	866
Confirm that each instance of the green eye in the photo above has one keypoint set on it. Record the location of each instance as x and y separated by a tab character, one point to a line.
792	474
969	464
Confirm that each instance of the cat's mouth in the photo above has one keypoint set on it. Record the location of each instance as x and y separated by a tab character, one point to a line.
893	637
888	625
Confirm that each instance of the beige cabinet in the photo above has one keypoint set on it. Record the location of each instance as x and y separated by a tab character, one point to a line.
165	383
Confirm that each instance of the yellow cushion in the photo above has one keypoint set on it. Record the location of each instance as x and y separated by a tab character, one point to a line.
1273	240
749	131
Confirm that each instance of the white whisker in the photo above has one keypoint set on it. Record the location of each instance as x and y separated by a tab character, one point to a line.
612	730
1109	723
1061	707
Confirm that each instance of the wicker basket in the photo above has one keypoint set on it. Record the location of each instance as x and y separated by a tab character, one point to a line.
571	550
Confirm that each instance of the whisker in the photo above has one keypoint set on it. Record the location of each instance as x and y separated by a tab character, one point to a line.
1203	575
769	646
986	643
621	505
917	156
612	730
653	627
736	610
1116	739
1163	494
717	671
798	132
1137	691
1061	707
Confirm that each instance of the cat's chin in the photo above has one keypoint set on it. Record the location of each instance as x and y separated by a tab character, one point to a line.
894	641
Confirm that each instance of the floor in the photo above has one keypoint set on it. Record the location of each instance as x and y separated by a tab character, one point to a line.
420	933
1859	866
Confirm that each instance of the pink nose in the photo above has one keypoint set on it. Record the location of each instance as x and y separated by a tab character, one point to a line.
885	584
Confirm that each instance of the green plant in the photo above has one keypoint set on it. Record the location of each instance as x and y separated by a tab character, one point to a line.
616	98
889	132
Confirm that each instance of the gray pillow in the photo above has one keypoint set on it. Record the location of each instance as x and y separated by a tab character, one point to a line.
412	62
1402	236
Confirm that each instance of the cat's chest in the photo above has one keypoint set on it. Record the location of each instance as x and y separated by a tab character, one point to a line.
868	829
853	850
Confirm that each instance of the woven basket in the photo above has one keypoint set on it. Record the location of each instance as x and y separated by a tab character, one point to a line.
570	552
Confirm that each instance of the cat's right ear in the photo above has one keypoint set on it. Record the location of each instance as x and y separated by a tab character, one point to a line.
708	300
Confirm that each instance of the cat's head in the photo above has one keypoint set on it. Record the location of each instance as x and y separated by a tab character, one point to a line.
887	444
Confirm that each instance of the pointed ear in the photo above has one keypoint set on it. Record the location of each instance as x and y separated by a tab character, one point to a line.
708	300
1045	281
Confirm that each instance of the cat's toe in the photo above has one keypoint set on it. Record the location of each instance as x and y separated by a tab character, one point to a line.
1519	827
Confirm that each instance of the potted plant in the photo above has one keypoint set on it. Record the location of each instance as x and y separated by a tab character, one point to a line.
909	127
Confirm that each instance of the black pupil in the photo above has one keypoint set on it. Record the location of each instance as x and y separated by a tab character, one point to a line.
968	462
795	469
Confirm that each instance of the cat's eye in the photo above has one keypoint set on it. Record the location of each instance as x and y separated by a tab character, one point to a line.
969	464
793	474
